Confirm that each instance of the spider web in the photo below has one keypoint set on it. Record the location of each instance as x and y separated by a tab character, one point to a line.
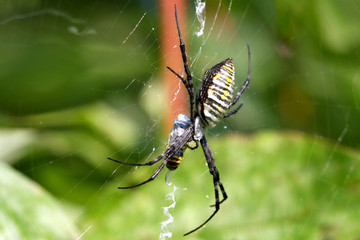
80	83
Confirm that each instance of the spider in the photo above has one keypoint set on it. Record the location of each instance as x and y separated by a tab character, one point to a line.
212	103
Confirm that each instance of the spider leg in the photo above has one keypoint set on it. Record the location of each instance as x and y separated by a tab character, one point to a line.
189	81
156	173
143	164
174	147
216	180
244	86
221	188
212	168
188	88
233	111
211	216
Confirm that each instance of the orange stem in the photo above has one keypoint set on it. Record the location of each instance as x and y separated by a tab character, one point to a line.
176	100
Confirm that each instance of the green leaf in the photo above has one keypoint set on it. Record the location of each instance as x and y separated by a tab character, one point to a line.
28	212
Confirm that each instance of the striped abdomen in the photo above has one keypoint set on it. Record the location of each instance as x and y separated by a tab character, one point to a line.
215	93
175	160
181	123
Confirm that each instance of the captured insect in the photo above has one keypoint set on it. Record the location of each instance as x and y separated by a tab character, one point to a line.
213	102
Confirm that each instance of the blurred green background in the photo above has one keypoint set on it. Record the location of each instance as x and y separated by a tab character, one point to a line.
77	87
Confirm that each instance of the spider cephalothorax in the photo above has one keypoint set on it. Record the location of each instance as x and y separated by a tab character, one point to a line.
213	102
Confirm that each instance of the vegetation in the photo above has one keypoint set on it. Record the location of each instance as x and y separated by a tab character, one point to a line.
73	92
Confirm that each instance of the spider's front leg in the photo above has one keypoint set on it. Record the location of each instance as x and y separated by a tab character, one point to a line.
188	82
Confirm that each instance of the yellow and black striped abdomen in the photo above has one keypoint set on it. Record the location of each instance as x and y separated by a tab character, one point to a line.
181	124
175	160
216	93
